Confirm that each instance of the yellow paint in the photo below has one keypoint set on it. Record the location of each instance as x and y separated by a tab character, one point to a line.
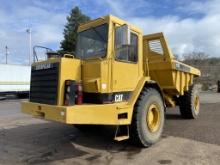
70	69
95	73
125	75
116	76
109	71
153	118
166	71
79	114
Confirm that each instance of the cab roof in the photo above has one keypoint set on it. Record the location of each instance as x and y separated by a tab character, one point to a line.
107	19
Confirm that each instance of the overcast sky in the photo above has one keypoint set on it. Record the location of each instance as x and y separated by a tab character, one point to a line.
189	25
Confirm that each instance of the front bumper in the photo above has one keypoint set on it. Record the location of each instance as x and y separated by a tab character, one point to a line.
105	114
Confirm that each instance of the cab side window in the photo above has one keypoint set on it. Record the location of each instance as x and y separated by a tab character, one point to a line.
126	53
133	53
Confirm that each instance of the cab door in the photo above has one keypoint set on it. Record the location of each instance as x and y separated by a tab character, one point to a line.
125	70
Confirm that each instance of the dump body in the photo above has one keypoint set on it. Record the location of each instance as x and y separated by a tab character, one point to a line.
173	77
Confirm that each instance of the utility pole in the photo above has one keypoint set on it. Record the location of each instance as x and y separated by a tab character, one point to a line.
30	45
6	54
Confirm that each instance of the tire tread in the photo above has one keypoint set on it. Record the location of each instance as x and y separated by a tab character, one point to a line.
136	136
186	103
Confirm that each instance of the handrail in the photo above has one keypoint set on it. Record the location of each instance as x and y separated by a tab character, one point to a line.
35	53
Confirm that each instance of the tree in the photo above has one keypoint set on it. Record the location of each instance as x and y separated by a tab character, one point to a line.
195	58
76	17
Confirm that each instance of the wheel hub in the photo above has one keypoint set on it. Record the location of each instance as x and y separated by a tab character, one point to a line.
153	118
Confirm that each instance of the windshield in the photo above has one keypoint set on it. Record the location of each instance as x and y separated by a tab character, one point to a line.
92	43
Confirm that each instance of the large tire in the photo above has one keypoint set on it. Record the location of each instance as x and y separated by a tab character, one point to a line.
189	103
148	118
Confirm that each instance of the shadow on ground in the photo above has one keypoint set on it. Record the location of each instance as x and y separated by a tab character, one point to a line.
40	143
43	143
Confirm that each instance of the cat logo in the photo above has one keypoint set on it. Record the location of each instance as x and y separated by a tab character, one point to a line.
43	66
118	97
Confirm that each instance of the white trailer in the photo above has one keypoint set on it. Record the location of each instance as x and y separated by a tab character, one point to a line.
14	79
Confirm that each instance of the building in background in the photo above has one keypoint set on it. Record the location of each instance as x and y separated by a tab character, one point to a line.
14	79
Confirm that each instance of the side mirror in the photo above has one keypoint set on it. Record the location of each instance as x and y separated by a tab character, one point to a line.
123	34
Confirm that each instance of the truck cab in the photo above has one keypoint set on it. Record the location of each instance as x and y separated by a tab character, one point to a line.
111	59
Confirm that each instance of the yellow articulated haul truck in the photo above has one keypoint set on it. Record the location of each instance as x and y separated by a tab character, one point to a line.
117	77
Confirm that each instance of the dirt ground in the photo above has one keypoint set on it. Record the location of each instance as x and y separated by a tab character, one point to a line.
25	140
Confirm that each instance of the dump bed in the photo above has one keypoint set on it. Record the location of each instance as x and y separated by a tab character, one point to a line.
173	77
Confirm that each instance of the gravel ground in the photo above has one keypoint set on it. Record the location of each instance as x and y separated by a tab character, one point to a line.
25	140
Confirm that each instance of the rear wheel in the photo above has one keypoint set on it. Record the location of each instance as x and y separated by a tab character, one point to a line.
189	103
148	118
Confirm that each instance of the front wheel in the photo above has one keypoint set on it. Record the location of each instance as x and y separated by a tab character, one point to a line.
148	118
189	103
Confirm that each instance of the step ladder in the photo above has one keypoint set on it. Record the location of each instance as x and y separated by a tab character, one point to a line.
122	132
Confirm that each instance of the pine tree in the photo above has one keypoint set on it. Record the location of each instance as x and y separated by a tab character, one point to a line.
76	17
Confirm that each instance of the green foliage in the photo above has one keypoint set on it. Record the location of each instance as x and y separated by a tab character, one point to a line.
76	17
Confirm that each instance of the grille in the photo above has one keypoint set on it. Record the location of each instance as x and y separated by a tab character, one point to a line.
44	82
